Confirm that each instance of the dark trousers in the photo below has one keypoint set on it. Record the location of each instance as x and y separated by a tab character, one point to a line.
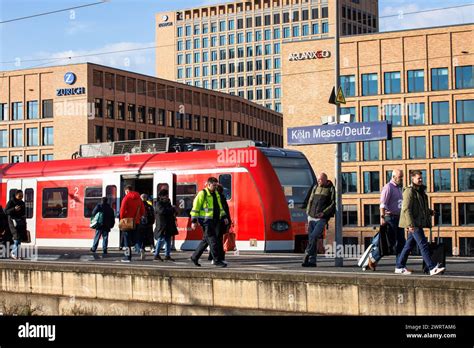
209	239
221	230
127	239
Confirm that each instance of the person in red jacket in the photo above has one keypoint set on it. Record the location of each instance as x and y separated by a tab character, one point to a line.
132	207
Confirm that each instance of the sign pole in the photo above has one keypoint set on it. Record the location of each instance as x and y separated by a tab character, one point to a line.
338	223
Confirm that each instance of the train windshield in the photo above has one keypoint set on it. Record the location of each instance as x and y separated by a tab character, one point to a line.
296	178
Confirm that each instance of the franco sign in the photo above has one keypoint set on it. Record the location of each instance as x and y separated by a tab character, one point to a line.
339	133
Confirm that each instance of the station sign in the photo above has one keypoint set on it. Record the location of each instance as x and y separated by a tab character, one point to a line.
339	133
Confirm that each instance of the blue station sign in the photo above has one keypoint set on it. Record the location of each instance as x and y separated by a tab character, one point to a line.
339	133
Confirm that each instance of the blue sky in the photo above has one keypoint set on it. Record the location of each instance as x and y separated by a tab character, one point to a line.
129	24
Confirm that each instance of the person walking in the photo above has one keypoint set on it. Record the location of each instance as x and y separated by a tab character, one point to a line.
416	215
208	211
16	214
321	207
390	206
102	230
145	228
165	215
222	227
5	234
132	208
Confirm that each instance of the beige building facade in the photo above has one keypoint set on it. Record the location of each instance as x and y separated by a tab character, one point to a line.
47	113
419	80
236	47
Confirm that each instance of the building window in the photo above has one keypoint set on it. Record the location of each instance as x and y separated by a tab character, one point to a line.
17	111
47	157
132	134
465	179
349	215
97	78
392	82
131	113
32	107
442	180
349	111
466	214
110	134
92	197
394	149
55	203
440	112
17	159
98	107
120	134
4	112
32	158
371	182
121	111
32	138
17	137
370	113
465	76
369	84
439	79
371	151
48	136
417	147
349	152
443	214
348	85
441	147
3	138
465	111
110	109
371	214
349	182
416	81
141	114
393	114
48	108
416	114
325	27
465	145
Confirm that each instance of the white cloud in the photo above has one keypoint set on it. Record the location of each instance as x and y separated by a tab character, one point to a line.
77	27
404	20
142	61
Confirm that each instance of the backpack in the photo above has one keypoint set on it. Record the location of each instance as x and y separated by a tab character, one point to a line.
97	220
149	217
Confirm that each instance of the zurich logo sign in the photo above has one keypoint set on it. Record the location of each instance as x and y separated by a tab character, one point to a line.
69	78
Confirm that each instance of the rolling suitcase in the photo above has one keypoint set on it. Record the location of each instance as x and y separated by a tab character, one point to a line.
437	252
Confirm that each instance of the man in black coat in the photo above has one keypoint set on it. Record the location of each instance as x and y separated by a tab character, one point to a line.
104	228
16	214
222	227
5	234
165	216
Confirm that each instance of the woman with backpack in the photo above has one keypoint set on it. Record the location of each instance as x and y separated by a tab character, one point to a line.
104	217
165	225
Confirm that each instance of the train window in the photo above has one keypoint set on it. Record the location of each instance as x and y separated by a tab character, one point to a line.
185	194
55	203
92	197
226	181
29	202
111	194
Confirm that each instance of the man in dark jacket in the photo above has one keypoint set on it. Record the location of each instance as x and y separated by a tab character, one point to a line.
5	234
165	227
132	208
222	227
415	215
16	213
103	229
145	229
320	208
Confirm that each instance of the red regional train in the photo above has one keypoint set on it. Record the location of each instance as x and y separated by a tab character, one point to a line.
265	187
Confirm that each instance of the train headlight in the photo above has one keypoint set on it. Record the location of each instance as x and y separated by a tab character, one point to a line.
280	226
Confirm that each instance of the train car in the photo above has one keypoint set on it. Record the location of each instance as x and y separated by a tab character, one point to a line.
265	188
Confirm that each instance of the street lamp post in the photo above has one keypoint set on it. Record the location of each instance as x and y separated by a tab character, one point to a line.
338	223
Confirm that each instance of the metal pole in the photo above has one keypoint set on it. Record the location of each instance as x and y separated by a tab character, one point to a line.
339	261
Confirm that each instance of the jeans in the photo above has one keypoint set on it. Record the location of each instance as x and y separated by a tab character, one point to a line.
167	241
16	248
209	239
396	236
105	240
127	243
315	230
418	237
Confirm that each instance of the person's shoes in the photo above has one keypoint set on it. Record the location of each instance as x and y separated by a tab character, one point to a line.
372	265
403	270
169	258
220	264
437	270
126	260
195	261
105	252
212	262
157	258
308	264
14	257
142	255
92	250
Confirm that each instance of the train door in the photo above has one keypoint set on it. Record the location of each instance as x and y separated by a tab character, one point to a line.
28	186
111	189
